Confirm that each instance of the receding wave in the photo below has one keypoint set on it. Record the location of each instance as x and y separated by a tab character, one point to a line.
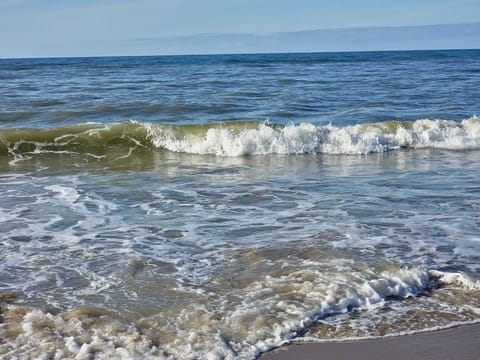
242	138
197	333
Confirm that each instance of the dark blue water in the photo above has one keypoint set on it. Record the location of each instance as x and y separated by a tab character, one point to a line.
342	88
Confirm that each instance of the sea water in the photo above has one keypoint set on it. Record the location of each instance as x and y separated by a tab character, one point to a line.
217	207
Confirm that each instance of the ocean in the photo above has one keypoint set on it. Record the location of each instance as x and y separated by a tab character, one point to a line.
220	206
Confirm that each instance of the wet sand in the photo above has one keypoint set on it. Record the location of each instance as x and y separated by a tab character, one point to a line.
462	343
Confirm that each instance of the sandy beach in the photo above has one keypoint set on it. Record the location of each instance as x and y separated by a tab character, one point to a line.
456	343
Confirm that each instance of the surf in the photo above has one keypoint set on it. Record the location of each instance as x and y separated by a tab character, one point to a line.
248	138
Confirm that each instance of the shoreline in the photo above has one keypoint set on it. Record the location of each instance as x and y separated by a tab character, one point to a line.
462	342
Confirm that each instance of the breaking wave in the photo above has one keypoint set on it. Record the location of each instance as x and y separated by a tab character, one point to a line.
197	332
243	138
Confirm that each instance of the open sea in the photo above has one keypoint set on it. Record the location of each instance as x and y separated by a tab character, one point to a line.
217	207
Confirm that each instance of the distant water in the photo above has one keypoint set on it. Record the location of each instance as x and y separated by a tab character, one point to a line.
217	207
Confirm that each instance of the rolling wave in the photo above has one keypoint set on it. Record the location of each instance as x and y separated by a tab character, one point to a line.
242	138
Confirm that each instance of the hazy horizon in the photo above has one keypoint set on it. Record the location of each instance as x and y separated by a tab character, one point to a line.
53	28
355	39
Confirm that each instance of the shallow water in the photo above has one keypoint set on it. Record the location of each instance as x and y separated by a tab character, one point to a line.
191	236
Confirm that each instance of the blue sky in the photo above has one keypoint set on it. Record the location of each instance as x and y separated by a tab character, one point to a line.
30	28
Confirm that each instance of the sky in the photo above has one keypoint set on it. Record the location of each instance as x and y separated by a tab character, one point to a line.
37	28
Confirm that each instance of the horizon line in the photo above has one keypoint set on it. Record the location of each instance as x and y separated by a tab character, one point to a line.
239	53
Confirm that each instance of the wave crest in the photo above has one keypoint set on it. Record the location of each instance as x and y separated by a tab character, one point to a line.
241	138
309	138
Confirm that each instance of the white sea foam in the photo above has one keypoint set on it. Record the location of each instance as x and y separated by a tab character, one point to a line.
456	278
309	138
197	331
67	194
82	235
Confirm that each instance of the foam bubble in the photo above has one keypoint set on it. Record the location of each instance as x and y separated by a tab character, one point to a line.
456	278
67	194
